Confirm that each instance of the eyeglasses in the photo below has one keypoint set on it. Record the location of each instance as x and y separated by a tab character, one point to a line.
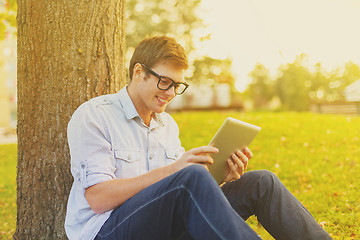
166	83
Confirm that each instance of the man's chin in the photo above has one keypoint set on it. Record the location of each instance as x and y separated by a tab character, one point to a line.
160	109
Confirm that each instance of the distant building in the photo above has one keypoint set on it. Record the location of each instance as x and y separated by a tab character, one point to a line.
352	92
351	105
203	97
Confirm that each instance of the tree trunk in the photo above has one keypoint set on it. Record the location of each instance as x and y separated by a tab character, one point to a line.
68	52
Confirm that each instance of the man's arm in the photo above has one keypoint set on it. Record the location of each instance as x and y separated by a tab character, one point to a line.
111	194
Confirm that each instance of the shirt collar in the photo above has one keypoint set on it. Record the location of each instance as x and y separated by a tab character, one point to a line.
130	110
127	104
158	120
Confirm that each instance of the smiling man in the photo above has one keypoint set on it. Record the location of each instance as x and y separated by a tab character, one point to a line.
133	180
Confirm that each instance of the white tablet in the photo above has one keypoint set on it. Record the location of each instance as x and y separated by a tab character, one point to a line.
232	135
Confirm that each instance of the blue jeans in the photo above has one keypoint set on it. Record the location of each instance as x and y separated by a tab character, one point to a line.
190	205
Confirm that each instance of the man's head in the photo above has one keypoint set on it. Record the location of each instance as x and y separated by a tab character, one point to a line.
159	49
157	75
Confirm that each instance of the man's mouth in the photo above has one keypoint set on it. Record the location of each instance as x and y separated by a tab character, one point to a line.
162	100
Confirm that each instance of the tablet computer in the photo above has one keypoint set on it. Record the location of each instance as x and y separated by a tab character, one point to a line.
231	136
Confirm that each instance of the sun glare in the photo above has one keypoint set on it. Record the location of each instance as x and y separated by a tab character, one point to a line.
275	32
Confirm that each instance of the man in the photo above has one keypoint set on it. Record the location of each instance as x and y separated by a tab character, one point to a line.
133	180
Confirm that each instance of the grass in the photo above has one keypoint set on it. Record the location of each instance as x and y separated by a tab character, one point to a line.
316	157
7	190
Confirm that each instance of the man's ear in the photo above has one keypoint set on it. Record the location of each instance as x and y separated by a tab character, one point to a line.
138	71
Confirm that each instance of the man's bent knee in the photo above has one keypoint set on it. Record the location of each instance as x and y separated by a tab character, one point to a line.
265	178
195	173
195	169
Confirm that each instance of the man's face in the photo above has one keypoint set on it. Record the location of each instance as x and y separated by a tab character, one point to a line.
152	98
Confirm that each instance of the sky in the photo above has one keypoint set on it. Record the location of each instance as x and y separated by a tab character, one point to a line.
274	32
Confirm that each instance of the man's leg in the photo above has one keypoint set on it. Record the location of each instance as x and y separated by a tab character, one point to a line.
187	203
281	214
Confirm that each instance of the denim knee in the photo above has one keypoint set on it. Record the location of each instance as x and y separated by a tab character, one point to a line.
268	181
266	176
195	174
195	170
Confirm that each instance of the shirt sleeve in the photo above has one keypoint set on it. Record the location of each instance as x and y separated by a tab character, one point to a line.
92	158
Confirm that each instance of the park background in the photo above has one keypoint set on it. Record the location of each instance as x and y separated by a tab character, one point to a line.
271	63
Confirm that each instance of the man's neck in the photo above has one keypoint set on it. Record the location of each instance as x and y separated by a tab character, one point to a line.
145	115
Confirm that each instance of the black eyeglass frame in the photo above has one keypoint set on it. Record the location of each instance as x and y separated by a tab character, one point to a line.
175	84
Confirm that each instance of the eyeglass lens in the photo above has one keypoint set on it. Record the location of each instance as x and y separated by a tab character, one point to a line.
165	84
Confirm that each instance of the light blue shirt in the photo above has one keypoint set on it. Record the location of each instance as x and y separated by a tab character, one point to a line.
108	140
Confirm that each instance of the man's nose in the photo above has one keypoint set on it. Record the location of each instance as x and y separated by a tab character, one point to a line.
171	91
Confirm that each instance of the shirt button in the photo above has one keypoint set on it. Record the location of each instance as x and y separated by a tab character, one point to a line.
151	157
82	166
129	157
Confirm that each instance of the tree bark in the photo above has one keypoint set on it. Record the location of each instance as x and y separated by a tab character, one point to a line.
68	52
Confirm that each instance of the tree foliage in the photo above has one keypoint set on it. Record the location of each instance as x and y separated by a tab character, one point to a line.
297	86
292	85
7	16
208	70
180	20
173	17
261	89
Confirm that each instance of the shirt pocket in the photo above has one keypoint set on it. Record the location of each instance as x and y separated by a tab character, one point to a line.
127	162
172	154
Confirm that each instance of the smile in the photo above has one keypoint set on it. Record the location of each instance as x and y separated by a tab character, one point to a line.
162	100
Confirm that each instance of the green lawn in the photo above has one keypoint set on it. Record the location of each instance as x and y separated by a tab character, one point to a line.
316	157
7	190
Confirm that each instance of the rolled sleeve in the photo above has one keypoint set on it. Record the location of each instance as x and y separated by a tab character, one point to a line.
92	175
92	158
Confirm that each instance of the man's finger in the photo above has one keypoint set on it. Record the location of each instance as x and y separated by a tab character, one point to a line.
247	153
204	149
243	158
234	170
240	164
202	158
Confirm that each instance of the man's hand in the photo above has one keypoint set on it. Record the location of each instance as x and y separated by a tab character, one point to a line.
199	155
238	163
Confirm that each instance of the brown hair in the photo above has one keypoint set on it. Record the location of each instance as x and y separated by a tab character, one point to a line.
152	50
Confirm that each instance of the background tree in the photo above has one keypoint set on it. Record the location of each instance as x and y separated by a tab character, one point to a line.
261	88
292	85
210	71
68	52
175	18
343	78
318	84
179	19
297	86
330	86
7	16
